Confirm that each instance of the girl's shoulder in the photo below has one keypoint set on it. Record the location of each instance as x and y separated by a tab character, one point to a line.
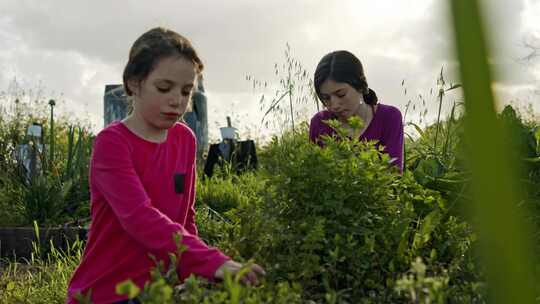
113	139
386	111
120	134
386	108
181	131
116	129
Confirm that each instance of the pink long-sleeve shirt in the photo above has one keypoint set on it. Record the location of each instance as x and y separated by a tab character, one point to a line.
386	128
141	194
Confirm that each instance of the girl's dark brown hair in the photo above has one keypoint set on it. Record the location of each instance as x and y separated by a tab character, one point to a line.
343	66
152	46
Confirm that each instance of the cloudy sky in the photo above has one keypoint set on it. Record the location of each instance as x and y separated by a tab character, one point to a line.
73	48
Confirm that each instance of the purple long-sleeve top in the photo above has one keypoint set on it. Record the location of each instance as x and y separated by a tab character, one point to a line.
386	128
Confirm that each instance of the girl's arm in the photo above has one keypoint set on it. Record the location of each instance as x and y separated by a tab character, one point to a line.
393	137
315	130
191	226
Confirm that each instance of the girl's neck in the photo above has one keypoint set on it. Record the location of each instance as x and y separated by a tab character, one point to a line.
144	130
363	111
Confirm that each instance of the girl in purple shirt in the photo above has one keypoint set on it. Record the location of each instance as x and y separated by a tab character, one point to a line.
341	85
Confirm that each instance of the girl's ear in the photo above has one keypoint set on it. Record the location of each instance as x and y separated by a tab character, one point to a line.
133	86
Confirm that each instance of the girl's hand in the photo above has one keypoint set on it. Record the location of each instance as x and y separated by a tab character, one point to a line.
250	278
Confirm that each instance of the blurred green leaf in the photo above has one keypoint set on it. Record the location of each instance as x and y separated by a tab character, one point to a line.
503	232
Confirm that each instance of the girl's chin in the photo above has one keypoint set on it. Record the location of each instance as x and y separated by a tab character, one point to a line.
166	124
169	125
343	115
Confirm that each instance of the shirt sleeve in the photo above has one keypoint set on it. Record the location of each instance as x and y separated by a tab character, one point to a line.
114	176
393	137
315	130
191	226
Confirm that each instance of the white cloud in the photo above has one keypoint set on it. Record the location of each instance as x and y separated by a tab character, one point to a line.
530	16
75	48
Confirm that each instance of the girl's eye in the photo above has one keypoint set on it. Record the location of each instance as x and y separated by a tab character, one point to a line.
186	93
341	95
163	90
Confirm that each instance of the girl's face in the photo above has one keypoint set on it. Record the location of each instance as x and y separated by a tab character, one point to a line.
163	97
340	98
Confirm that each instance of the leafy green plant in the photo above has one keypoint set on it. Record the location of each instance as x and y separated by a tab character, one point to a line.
57	192
421	288
164	287
339	221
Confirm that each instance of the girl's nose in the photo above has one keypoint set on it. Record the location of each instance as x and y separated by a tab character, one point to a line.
174	101
333	106
176	98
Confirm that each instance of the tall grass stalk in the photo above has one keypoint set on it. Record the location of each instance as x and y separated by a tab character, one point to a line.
507	252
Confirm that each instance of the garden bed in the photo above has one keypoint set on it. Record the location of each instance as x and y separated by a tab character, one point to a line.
17	242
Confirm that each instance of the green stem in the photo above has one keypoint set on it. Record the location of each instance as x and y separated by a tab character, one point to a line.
441	94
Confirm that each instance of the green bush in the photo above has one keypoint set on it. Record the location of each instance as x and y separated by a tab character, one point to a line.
225	191
343	223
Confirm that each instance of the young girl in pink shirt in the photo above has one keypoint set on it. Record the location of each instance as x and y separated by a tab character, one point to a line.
142	178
